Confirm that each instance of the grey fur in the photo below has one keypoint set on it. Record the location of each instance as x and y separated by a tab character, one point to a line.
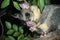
51	15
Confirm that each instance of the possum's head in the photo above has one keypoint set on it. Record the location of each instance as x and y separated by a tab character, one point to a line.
30	16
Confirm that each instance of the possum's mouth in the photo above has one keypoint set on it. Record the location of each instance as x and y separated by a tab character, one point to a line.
29	23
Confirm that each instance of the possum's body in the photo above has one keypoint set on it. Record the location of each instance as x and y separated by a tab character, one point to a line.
50	21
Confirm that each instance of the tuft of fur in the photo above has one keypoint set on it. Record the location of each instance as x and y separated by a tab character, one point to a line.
36	13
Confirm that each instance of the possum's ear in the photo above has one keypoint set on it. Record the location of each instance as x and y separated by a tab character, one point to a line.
25	5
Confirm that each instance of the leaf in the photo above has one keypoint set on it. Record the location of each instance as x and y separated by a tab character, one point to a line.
26	38
15	27
6	38
19	0
10	32
41	4
16	34
8	25
21	29
16	5
47	1
5	3
11	38
21	37
34	2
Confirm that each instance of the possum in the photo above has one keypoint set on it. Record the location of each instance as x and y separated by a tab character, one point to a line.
31	15
45	23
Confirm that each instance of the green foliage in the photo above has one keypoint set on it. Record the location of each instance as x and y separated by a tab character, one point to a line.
8	25
41	4
16	5
21	37
16	34
11	38
10	32
26	38
15	31
19	0
34	2
15	27
20	29
5	3
47	2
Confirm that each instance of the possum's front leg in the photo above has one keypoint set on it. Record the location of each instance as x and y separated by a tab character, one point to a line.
44	28
34	27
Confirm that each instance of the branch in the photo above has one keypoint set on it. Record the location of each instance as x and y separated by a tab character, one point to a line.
2	29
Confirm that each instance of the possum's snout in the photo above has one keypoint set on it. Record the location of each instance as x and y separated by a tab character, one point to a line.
30	23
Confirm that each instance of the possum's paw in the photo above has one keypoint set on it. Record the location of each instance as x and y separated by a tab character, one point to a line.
32	29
